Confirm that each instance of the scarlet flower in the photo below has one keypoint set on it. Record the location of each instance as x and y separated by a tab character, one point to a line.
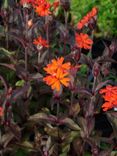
58	74
83	41
86	19
41	42
110	96
1	111
43	9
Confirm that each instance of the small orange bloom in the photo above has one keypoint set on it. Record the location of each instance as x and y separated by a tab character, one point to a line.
57	80
57	64
83	41
40	41
110	96
58	74
86	19
1	111
43	9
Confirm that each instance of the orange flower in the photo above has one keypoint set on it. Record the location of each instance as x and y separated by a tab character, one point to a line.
83	41
1	111
57	80
43	9
86	19
57	64
110	96
58	74
40	41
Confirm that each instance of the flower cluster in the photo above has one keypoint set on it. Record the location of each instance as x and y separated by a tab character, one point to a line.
41	7
86	19
83	41
41	42
110	96
58	74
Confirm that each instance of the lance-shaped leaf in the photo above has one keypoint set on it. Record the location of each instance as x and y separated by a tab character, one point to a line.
102	84
44	117
21	91
9	66
53	131
27	144
83	91
70	123
15	129
68	139
74	109
20	83
6	138
104	59
7	52
38	117
36	76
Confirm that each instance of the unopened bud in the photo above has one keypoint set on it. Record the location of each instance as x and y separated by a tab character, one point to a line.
96	69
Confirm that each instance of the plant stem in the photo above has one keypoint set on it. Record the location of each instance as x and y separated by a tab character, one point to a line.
26	36
94	84
72	96
7	37
47	34
58	107
38	57
26	59
66	17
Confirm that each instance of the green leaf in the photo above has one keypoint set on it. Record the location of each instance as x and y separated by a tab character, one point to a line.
6	52
5	4
83	69
20	83
21	152
71	124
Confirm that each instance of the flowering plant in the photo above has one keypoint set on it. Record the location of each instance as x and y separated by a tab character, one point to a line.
52	90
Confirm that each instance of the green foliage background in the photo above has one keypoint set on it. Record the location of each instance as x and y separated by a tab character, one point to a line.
107	17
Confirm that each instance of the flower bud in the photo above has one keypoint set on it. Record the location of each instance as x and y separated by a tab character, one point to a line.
96	69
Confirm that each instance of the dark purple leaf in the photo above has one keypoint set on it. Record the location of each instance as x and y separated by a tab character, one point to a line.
102	84
21	91
70	123
10	66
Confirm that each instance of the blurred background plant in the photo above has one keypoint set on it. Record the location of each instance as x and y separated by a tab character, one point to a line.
107	16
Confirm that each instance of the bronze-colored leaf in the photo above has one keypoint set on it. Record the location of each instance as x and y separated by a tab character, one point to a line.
71	124
74	109
37	117
6	138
